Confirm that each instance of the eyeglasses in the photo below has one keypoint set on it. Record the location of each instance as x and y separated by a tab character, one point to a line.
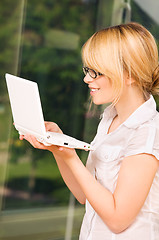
92	73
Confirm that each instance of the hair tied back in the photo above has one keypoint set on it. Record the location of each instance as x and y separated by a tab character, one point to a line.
155	81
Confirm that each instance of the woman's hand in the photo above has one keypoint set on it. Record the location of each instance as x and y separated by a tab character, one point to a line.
52	127
58	151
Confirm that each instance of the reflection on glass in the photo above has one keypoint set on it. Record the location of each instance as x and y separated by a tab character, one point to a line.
36	202
10	34
50	55
150	9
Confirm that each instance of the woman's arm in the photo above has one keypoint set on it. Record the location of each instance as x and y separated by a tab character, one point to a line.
70	180
65	171
118	210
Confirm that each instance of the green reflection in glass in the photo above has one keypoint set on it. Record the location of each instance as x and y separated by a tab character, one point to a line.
11	18
51	55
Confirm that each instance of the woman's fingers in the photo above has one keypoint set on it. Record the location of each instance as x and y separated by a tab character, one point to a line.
36	144
52	127
33	141
21	137
62	152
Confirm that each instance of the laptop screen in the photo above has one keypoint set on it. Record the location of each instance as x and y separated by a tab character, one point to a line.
26	105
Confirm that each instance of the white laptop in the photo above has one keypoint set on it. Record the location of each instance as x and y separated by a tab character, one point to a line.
28	116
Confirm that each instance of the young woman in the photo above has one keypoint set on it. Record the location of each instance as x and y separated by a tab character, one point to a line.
120	183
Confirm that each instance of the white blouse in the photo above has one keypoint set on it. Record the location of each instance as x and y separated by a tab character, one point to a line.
138	134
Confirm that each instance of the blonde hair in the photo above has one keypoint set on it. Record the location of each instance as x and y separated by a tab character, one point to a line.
126	47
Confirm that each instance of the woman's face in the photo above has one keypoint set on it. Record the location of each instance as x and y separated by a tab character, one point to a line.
101	89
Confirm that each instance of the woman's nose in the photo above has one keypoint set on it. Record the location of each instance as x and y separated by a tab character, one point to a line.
87	79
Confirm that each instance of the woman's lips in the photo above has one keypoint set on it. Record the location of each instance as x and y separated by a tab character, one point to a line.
93	90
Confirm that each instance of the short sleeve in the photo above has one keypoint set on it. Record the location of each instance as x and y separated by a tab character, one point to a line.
145	139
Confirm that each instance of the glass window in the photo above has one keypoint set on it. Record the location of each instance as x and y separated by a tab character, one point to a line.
42	42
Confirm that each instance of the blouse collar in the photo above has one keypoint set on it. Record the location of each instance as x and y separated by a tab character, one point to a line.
141	115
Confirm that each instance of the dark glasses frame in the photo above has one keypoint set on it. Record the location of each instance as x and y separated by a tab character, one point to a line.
92	73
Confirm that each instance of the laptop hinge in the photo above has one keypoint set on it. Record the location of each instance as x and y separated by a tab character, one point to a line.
23	131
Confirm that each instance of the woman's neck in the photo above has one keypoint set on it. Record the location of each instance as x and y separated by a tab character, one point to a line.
128	103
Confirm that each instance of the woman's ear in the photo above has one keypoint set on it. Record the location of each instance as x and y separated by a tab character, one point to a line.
129	80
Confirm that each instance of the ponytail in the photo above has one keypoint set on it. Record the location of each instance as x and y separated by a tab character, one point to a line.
155	81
